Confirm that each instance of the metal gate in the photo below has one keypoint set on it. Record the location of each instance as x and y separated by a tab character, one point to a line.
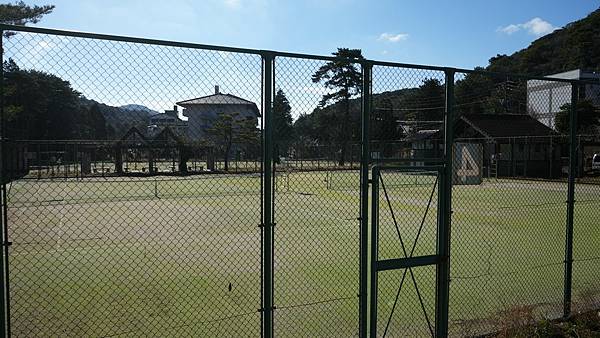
406	251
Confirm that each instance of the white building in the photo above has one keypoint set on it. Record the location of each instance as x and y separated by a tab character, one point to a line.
202	111
545	98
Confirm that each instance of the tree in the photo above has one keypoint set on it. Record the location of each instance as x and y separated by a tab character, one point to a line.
588	117
39	105
97	123
21	14
430	98
229	130
282	123
472	93
385	127
342	77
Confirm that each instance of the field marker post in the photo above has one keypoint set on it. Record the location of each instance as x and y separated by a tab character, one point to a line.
364	199
442	290
268	59
570	200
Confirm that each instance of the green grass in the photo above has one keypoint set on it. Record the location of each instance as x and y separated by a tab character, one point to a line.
174	256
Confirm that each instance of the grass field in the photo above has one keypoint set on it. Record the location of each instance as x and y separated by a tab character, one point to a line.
175	256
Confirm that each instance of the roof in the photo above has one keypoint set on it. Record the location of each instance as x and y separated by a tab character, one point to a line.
506	125
423	134
218	98
576	74
133	135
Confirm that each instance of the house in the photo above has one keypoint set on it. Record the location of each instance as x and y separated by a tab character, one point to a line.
170	119
500	145
514	145
202	111
545	98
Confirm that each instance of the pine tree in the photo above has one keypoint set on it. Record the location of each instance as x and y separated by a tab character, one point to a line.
343	77
21	14
282	123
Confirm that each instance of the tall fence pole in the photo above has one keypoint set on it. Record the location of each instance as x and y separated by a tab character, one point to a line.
4	294
442	293
267	254
573	159
364	198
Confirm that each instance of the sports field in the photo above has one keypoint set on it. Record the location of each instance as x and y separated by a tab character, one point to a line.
169	256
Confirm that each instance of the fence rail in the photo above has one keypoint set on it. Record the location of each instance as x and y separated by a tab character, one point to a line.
262	202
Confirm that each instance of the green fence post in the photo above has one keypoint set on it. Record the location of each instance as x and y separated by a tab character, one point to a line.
268	60
570	200
4	295
374	250
364	199
442	290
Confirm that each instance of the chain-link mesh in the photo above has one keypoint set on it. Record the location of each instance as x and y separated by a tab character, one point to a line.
135	194
406	130
317	227
509	202
586	238
407	227
129	218
407	119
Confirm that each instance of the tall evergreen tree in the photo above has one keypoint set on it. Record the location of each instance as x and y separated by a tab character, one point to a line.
385	127
282	123
97	123
343	77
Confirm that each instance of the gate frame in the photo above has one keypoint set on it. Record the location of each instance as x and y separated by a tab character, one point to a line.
411	261
445	165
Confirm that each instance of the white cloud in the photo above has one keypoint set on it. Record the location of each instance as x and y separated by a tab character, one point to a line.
234	4
535	26
512	28
45	44
392	37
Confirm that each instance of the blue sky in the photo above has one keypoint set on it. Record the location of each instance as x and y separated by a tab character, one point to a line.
461	34
451	33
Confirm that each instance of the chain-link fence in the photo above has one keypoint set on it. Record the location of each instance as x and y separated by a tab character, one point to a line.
133	216
157	188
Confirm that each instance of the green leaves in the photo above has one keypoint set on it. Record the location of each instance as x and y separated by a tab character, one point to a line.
283	131
344	79
21	14
341	75
230	130
588	117
42	106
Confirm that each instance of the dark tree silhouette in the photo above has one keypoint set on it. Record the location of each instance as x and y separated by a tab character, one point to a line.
588	117
21	14
282	123
343	77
